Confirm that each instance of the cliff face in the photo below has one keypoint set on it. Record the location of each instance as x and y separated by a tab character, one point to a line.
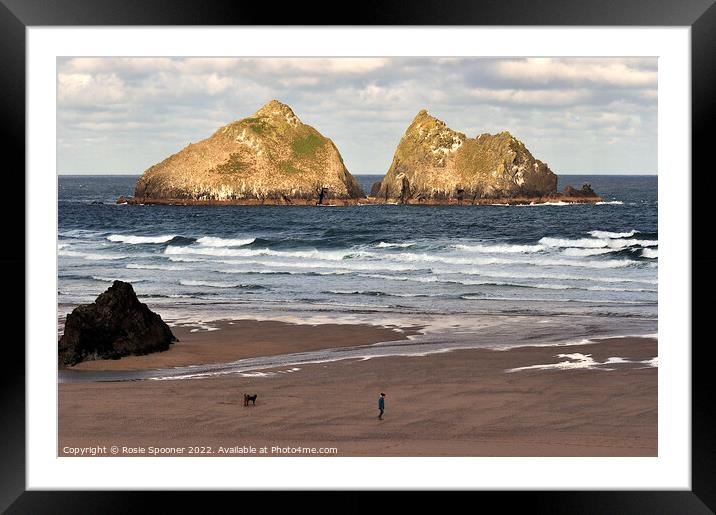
434	162
270	155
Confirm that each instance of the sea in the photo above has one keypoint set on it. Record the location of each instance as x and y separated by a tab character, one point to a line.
490	275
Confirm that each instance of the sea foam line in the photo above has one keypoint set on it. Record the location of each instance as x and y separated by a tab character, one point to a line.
607	234
89	256
500	249
358	260
216	284
578	360
139	240
155	267
617	243
212	241
385	245
542	286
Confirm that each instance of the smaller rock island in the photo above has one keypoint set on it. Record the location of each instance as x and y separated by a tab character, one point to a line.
116	324
434	164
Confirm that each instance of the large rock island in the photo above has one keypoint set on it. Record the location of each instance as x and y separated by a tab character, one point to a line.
116	324
434	164
270	157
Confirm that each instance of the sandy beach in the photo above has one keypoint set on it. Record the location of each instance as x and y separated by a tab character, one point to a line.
460	403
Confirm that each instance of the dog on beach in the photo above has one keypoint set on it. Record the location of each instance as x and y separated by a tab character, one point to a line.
250	398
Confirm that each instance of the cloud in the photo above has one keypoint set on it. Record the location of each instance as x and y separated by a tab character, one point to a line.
82	89
294	82
117	64
538	97
321	66
610	72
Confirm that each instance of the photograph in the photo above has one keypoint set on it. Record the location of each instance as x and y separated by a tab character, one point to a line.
357	256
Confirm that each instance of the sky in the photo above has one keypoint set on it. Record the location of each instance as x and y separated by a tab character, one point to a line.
579	115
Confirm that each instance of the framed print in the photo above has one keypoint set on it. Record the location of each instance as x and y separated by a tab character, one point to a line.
417	252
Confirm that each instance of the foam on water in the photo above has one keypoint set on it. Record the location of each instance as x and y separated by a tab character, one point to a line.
140	240
613	243
91	256
217	284
578	361
167	268
585	252
211	241
385	245
501	249
234	252
114	278
607	234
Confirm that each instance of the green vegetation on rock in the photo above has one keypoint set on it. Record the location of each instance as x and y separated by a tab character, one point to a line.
257	125
287	167
233	165
307	146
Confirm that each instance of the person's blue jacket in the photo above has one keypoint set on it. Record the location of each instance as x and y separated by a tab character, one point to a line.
381	403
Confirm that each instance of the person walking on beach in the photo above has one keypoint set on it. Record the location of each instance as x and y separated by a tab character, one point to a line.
381	405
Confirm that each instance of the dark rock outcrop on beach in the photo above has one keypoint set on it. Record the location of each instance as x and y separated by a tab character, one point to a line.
435	163
116	324
585	192
270	157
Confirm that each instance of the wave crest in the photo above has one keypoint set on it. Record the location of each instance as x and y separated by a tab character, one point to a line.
608	234
140	240
213	241
596	243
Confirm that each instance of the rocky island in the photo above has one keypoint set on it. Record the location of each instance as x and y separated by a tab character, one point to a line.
274	158
270	157
434	164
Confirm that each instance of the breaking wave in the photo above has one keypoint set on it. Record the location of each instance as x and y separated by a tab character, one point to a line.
607	234
212	241
616	243
140	240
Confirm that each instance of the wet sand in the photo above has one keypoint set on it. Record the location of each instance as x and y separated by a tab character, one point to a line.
460	403
237	339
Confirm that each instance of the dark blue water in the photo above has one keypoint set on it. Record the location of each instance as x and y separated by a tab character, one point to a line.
449	266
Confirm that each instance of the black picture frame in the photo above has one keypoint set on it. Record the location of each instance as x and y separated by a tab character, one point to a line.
699	15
